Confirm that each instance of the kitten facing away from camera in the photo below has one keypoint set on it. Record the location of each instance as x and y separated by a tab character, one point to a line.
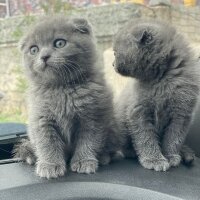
157	110
70	107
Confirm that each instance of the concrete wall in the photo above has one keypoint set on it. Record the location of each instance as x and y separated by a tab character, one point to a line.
106	21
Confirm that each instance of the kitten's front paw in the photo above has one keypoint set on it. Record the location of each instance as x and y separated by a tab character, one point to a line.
85	166
155	164
174	160
50	170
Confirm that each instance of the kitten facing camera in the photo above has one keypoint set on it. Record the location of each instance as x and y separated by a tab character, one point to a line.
70	107
156	110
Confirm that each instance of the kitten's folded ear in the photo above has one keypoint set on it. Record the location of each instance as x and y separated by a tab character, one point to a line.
82	25
144	37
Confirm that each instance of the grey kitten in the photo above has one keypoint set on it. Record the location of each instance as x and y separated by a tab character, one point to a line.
157	110
70	106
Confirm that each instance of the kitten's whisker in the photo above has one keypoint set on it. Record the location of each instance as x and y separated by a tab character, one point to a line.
71	77
6	151
79	53
56	69
72	62
75	65
76	69
86	51
66	72
65	75
68	66
59	59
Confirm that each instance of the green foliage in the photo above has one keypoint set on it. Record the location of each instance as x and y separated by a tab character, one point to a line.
21	81
49	7
12	117
17	70
28	19
20	28
21	84
55	6
15	113
17	33
15	116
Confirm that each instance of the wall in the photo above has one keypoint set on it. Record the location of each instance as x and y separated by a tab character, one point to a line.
106	20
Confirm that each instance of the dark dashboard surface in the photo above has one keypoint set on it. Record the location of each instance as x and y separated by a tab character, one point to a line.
120	180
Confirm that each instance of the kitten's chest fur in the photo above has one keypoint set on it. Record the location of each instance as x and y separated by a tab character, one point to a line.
62	106
157	100
59	106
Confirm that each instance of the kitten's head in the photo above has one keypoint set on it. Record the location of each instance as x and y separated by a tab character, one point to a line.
141	49
59	51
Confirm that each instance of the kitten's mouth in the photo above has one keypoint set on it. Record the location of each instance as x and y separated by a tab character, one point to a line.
120	69
44	66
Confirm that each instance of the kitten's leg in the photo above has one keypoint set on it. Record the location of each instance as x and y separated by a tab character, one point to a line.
49	150
104	159
25	151
89	143
116	146
174	138
145	142
187	154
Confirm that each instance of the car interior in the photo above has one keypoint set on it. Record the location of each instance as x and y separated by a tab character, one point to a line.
122	179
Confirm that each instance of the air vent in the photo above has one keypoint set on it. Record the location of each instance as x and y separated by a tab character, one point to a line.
10	134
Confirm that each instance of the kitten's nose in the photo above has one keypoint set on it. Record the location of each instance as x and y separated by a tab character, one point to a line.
45	58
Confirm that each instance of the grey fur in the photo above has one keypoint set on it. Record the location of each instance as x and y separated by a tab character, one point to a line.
70	106
25	151
157	110
187	154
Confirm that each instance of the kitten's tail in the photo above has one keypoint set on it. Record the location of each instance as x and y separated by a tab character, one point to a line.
188	155
25	152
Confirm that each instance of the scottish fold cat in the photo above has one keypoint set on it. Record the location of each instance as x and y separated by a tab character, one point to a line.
157	110
70	106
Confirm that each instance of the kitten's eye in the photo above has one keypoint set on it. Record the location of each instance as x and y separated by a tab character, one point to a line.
34	50
59	43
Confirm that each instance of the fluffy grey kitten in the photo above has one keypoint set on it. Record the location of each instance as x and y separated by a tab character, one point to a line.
156	111
70	106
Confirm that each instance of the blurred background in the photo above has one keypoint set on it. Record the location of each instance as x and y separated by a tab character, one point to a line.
106	16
